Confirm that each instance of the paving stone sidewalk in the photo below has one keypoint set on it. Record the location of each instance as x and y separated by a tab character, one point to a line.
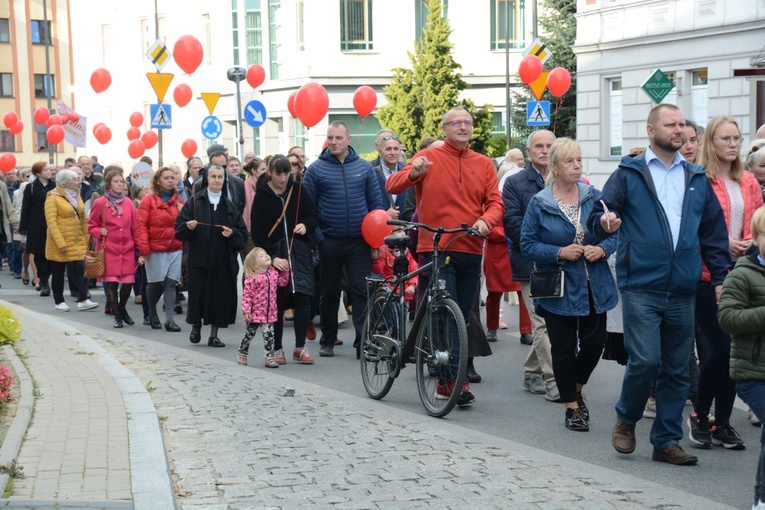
235	441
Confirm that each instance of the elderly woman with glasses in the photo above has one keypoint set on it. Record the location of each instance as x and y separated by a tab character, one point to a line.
67	239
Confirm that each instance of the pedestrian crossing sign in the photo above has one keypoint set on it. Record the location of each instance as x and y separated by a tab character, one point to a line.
538	113
161	116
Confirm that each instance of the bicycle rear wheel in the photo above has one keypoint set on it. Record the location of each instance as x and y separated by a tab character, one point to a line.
442	349
379	345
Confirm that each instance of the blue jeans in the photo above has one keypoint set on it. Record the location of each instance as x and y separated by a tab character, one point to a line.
658	335
753	393
14	256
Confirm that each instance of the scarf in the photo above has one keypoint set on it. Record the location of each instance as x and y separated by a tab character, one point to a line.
114	200
250	186
214	198
166	195
71	195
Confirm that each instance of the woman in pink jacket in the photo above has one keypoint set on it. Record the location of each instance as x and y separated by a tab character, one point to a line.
259	302
113	220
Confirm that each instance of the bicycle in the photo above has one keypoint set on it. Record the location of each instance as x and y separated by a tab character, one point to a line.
437	341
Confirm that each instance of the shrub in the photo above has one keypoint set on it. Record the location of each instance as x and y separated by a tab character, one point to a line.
10	327
6	383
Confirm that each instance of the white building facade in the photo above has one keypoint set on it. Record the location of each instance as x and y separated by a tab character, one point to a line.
697	43
340	44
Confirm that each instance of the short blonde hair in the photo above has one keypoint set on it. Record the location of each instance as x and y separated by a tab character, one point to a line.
560	149
758	222
250	261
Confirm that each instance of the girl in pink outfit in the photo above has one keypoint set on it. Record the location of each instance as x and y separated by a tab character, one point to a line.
259	302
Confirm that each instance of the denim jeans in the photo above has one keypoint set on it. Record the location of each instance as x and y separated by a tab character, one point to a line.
658	334
14	256
753	393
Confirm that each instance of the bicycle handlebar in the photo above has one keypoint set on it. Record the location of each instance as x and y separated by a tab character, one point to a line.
410	225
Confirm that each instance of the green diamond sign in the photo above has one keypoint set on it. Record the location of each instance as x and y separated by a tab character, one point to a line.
657	86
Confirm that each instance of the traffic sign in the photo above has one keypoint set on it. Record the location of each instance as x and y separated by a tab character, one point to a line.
255	114
539	86
539	49
160	82
210	99
538	113
161	116
657	86
212	127
159	55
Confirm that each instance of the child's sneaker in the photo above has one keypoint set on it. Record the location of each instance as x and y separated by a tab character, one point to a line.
271	362
279	357
241	358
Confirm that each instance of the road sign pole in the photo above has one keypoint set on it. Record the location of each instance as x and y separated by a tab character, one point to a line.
159	131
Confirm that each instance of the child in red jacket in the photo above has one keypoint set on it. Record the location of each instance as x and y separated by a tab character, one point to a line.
382	264
259	302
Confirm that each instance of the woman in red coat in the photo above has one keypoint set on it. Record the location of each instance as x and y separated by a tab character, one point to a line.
113	220
499	279
157	245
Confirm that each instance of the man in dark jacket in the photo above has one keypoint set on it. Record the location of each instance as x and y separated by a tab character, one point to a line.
538	374
668	219
388	151
344	189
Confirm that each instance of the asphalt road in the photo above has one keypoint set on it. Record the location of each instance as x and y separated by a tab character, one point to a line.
503	408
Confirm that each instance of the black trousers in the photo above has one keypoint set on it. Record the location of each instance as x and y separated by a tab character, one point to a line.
76	272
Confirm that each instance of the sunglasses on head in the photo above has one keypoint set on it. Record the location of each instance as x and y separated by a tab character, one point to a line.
389	137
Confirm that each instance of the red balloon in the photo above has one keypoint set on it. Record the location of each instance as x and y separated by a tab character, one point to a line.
311	104
149	139
10	119
530	69
375	228
53	120
42	115
133	133
55	134
256	75
558	81
64	118
136	119
17	128
364	100
7	162
74	117
182	95
100	80
188	53
96	126
189	148
291	104
102	133
136	149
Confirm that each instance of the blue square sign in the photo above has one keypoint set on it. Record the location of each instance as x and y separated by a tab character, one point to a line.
538	113
161	116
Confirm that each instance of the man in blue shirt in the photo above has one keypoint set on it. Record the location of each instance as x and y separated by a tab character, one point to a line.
668	219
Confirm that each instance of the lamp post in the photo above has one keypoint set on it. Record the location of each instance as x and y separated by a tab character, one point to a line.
236	74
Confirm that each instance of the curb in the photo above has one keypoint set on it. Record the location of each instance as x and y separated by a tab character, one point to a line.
12	443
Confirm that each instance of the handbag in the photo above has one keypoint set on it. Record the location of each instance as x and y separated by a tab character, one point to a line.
94	259
547	284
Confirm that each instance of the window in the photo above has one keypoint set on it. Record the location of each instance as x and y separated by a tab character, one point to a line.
301	134
615	115
421	13
363	133
208	38
7	141
254	33
41	32
699	101
6	85
355	25
5	31
508	24
671	98
43	88
300	31
497	124
273	26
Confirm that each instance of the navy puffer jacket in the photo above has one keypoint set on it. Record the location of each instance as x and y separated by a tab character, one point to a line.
343	192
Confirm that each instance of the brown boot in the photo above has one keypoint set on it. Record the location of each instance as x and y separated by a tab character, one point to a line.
674	454
623	437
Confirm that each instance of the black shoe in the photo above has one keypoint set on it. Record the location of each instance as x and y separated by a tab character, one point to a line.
575	420
154	322
472	376
172	326
327	351
215	342
25	281
178	309
181	296
45	291
126	318
118	322
195	336
527	339
583	407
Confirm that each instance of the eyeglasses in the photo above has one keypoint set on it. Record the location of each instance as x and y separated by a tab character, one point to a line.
728	139
389	137
294	163
456	123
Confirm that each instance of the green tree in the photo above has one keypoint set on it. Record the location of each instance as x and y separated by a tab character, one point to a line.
558	32
419	97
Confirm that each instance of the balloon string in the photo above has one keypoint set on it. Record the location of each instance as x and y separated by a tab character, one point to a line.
557	105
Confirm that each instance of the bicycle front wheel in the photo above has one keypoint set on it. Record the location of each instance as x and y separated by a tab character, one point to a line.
379	345
441	353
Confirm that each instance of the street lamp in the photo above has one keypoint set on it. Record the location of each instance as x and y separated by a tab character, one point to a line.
237	74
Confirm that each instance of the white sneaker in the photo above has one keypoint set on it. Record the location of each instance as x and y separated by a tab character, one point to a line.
753	420
86	305
62	307
650	409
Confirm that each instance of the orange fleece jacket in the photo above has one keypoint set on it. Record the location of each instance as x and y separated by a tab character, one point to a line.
460	187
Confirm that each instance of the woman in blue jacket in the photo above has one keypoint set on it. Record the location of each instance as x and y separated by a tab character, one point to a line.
553	235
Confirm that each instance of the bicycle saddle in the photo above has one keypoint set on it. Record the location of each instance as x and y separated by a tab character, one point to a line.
397	241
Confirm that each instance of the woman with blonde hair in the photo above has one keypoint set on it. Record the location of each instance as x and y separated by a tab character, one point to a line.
740	196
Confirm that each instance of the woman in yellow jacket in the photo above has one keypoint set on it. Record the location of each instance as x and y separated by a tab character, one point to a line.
67	239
